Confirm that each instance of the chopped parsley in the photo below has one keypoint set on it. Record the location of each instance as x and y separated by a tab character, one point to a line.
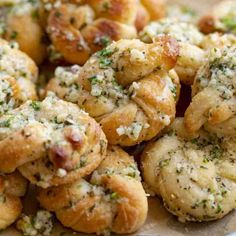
164	163
114	196
105	62
105	41
35	15
229	22
35	105
57	14
174	92
103	55
95	79
6	123
106	6
14	35
105	52
219	209
216	152
188	11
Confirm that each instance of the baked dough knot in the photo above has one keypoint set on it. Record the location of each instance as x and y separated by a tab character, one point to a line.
195	175
12	187
79	28
17	77
214	89
129	87
191	55
21	23
51	142
221	18
146	12
111	200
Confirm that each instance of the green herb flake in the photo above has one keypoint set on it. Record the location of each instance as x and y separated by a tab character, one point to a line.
174	92
6	123
219	209
35	105
164	163
114	196
105	52
188	11
106	6
216	152
105	41
14	35
93	80
57	14
105	62
229	22
35	15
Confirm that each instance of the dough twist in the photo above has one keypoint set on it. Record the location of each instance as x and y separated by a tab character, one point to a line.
12	187
213	90
220	19
195	175
113	198
51	142
78	29
128	87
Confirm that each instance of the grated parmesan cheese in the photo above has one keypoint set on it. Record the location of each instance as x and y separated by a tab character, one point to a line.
61	172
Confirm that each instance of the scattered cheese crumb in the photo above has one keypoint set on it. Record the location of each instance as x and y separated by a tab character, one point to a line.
137	55
38	225
133	131
61	172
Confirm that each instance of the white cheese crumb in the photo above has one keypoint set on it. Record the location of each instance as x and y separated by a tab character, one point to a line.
70	36
121	130
38	225
57	4
67	75
48	6
133	131
146	126
137	55
61	172
179	167
96	90
135	85
165	119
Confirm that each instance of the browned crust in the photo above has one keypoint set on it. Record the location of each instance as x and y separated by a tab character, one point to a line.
21	147
91	214
207	24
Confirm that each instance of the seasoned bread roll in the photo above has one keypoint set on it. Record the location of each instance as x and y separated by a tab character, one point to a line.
221	18
78	29
191	56
218	40
112	200
195	175
149	10
16	64
214	90
12	187
128	87
18	72
11	96
22	26
51	142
